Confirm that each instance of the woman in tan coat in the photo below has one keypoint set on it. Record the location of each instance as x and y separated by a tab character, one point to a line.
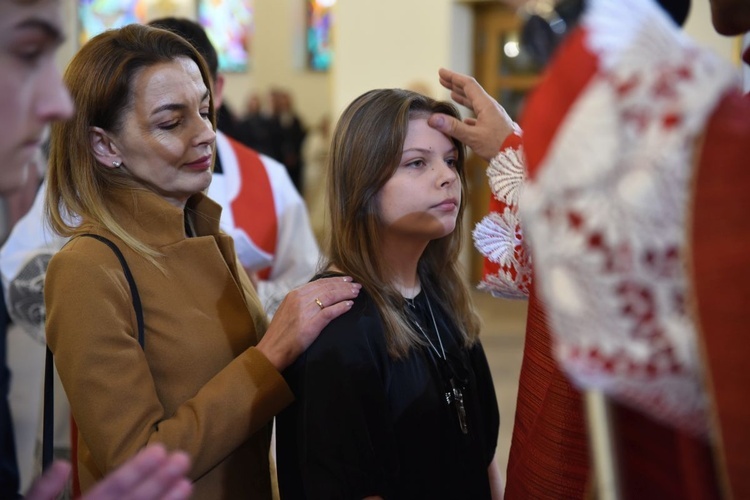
131	166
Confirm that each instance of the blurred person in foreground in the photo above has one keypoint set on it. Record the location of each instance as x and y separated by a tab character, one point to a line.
131	166
633	149
32	96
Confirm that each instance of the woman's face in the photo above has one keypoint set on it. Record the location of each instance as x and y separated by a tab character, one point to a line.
32	93
165	139
421	200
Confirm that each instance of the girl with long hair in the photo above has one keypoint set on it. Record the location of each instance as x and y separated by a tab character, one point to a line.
395	398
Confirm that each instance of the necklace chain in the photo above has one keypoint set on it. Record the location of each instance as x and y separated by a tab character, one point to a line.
454	395
434	324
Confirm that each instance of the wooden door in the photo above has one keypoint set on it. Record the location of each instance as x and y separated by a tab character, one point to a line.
507	73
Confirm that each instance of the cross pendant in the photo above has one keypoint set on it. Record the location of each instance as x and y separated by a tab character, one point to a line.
458	399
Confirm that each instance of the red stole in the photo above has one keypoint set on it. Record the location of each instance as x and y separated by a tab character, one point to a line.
254	209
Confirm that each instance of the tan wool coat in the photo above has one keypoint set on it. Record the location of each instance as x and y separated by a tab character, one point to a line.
198	385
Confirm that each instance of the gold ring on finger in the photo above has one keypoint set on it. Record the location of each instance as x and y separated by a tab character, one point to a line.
320	304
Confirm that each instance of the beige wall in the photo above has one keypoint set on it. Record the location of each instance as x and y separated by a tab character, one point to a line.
389	43
699	27
379	43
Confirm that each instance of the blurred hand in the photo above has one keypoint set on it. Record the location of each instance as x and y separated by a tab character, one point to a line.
50	484
299	319
153	474
485	133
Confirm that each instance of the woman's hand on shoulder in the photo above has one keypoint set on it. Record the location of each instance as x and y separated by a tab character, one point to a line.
303	313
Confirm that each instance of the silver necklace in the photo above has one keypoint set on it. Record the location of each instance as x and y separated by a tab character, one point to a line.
434	325
454	395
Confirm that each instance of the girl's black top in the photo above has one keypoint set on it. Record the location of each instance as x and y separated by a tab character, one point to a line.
366	424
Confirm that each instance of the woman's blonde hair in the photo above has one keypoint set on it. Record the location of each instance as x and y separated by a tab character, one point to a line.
365	152
100	78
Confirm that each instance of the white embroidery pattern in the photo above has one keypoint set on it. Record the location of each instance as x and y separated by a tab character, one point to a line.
610	206
498	236
506	175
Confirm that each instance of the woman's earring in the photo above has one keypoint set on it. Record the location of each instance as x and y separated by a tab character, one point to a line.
116	164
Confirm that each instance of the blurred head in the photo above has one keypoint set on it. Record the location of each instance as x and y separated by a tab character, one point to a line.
198	38
32	93
678	10
196	35
143	111
254	105
280	101
731	17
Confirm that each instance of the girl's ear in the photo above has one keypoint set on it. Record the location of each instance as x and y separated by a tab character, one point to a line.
104	148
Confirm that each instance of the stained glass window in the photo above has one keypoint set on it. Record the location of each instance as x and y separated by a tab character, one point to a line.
319	36
96	16
229	25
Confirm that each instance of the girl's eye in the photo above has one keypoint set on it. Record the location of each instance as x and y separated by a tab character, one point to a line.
416	163
205	115
452	162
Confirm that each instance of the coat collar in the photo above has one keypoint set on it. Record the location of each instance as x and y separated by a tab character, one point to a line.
156	222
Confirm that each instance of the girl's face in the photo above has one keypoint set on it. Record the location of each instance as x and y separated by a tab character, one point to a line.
166	138
421	200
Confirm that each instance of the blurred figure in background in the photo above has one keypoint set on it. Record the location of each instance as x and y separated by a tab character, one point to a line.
255	129
227	122
288	134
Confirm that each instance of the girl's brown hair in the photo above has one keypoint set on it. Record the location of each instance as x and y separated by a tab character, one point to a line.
365	151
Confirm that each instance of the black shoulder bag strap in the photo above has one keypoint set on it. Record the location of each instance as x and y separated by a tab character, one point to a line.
48	420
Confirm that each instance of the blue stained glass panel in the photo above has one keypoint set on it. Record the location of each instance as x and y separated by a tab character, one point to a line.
229	25
319	35
95	16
